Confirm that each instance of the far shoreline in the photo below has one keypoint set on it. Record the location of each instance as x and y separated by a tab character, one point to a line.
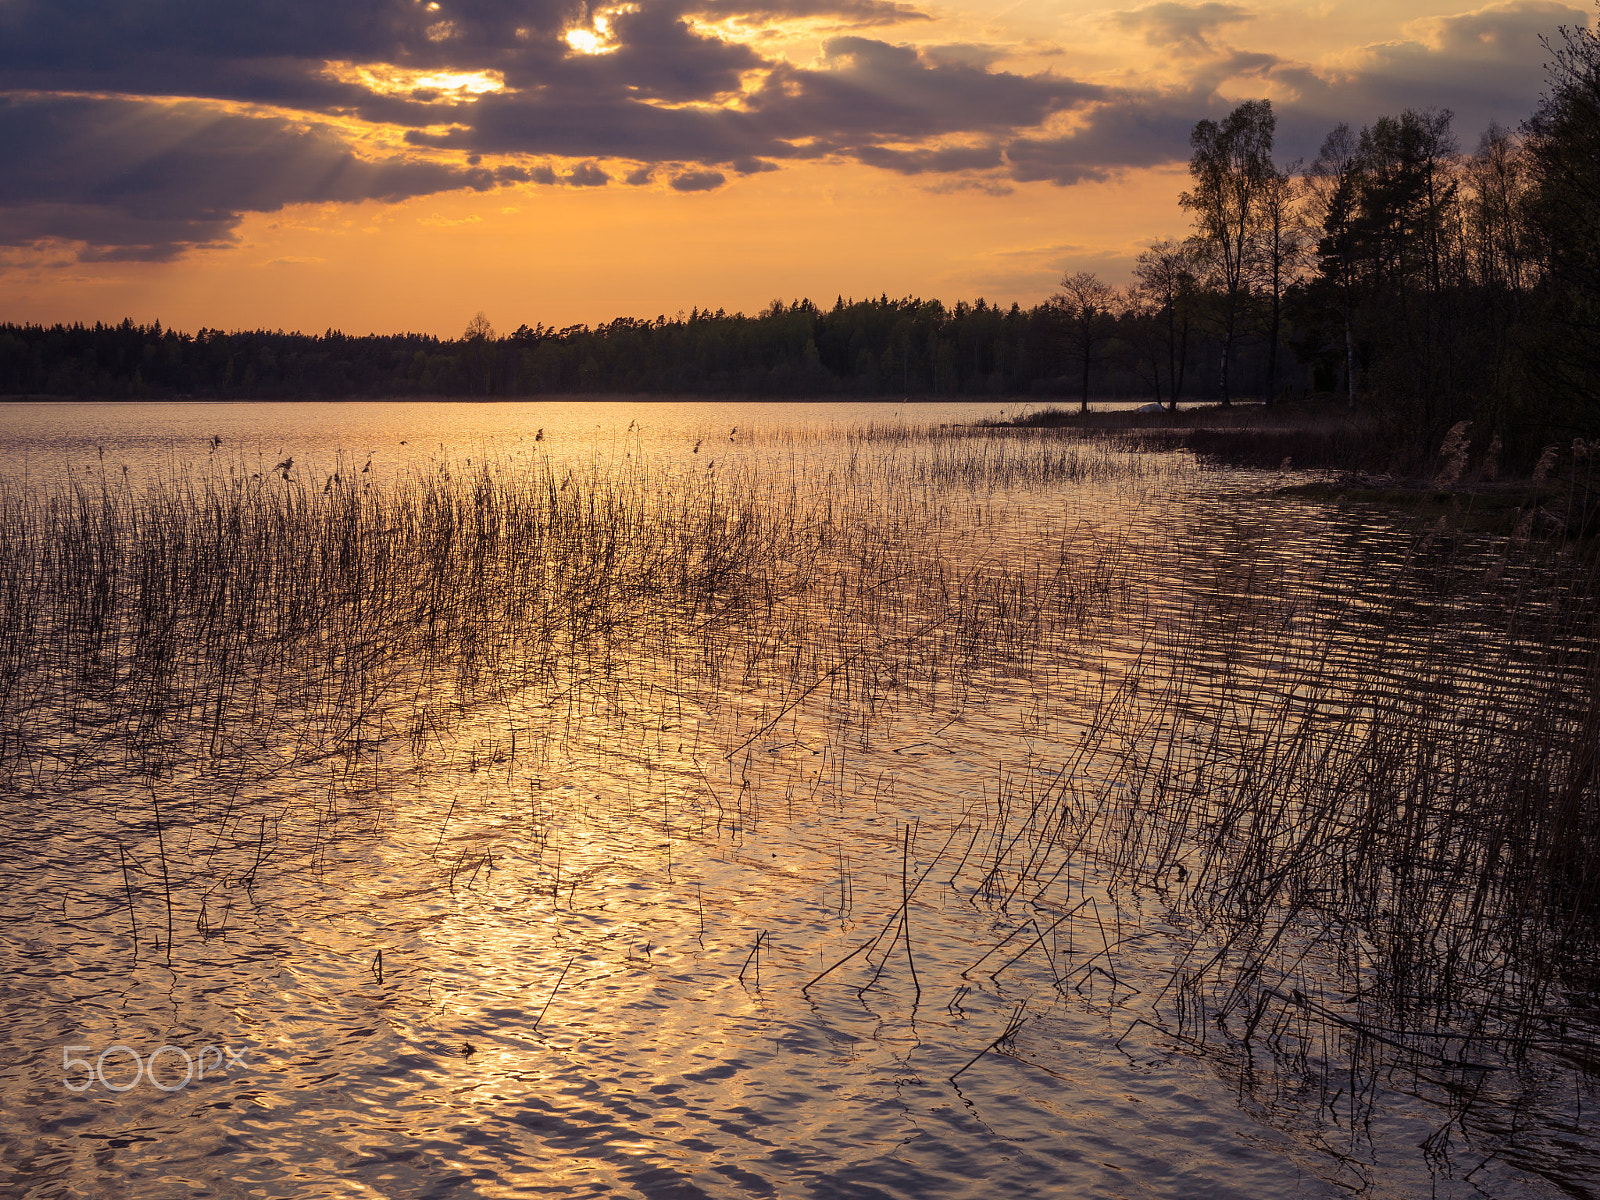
602	398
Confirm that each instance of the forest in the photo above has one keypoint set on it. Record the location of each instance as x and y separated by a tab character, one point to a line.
1395	270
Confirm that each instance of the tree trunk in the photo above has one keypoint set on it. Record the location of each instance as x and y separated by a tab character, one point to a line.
1183	365
1349	360
1272	352
1227	341
1174	376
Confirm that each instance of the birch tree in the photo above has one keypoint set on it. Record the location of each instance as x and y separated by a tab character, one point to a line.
1230	167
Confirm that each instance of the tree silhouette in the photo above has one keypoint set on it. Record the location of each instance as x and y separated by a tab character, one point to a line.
1279	252
1405	235
1496	226
1166	279
1563	146
1230	167
1088	307
1334	183
479	339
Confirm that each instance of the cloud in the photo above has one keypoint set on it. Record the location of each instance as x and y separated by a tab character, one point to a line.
250	49
869	89
938	159
1185	27
657	57
588	175
1037	268
698	181
146	180
865	95
988	186
1485	65
846	12
187	146
1128	131
1485	62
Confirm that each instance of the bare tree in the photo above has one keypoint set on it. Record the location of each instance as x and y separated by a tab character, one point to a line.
1497	178
1089	307
1167	278
1231	163
1279	253
478	337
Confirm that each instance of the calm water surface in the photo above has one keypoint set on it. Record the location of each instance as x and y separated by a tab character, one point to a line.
44	440
555	939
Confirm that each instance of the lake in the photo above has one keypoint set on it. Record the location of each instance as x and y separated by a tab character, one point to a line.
679	799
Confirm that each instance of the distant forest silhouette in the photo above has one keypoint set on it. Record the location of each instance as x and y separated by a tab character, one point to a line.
882	347
1394	271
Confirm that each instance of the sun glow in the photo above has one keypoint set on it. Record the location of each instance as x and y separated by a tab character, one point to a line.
599	38
454	87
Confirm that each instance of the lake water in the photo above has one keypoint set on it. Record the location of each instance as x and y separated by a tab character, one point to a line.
725	865
47	439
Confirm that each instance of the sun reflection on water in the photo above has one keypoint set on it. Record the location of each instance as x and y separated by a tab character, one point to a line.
620	905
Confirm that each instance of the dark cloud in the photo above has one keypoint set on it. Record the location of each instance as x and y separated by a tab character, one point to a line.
143	179
1485	65
146	177
640	176
1127	131
846	12
698	181
966	54
919	162
658	57
270	52
871	91
603	126
868	94
588	175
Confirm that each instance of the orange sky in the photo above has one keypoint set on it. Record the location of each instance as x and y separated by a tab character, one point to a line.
866	216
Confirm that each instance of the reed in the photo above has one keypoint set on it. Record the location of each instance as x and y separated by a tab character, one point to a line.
248	626
1374	818
1385	853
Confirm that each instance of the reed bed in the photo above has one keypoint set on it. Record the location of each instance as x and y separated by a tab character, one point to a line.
1373	836
1369	825
234	621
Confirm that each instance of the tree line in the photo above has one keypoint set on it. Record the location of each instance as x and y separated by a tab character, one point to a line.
879	347
1393	269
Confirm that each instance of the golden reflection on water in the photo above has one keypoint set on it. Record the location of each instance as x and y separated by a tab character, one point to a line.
552	926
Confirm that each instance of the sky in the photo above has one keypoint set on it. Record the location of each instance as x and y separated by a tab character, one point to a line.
400	165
